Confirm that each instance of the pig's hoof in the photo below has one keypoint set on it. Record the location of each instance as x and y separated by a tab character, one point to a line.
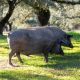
13	65
46	61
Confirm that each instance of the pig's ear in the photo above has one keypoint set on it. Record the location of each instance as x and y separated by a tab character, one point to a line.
70	35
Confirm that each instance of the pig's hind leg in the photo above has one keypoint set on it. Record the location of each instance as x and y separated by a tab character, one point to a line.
18	56
10	56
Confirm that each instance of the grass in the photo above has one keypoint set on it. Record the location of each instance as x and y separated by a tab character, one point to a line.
34	68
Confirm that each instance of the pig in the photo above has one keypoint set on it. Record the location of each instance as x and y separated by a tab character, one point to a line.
37	40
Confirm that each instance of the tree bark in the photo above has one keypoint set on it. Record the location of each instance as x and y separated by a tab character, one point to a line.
43	16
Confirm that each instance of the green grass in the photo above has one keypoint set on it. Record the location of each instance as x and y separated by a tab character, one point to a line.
34	67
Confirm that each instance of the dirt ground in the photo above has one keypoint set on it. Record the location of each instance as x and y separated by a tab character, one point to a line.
4	64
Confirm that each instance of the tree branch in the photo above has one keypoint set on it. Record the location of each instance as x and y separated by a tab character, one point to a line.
18	2
67	2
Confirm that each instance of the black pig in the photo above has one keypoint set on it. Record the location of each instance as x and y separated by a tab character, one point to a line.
37	40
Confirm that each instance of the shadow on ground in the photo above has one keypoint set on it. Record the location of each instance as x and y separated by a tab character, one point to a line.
67	61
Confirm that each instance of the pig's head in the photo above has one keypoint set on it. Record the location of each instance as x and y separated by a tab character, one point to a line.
66	41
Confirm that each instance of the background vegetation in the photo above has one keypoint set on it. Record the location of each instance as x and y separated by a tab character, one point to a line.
64	13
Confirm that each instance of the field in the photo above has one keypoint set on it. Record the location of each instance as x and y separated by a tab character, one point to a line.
34	68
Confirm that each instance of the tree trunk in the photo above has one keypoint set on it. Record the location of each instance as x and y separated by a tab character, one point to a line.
1	30
8	15
4	21
43	16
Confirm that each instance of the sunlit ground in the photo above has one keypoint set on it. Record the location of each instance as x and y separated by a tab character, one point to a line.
34	67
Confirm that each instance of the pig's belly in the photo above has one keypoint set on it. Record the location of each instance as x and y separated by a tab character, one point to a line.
31	50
